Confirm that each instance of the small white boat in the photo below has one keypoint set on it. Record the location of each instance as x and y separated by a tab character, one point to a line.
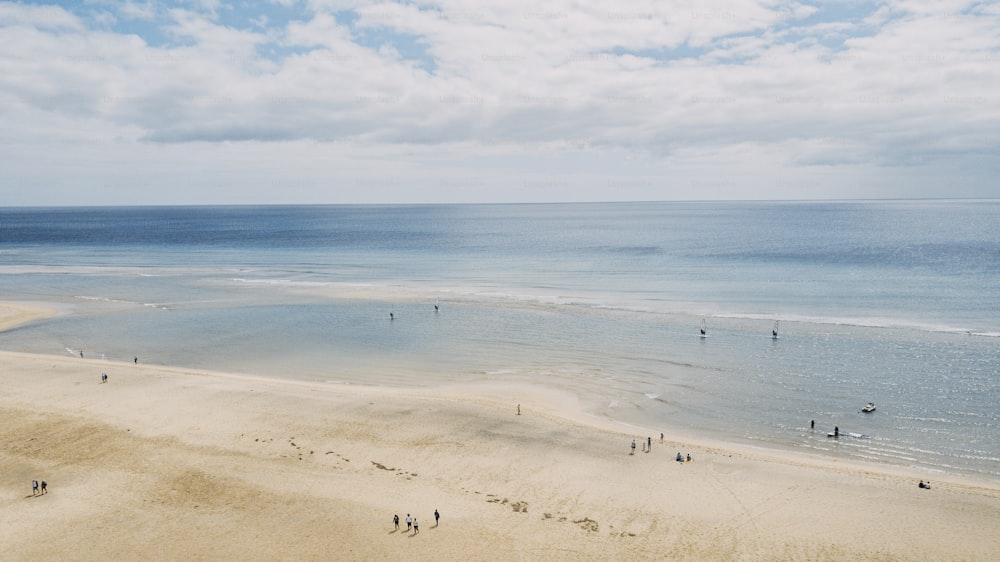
869	408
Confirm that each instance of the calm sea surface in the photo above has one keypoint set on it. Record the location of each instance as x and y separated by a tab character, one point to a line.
895	302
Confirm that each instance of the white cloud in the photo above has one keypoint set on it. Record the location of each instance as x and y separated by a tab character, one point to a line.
41	17
657	100
131	10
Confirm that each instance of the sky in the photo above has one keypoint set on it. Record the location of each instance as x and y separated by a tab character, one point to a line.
450	101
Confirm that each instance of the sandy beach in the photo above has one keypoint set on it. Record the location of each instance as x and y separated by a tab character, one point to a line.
175	464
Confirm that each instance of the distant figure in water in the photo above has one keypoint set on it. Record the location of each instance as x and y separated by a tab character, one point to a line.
836	431
81	354
812	424
136	360
392	316
435	308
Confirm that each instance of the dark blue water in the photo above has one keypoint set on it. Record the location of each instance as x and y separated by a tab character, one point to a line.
892	301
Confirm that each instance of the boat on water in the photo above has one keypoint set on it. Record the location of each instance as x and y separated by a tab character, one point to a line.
869	408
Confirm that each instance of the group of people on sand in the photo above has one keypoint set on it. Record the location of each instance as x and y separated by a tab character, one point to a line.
647	446
925	485
412	524
35	488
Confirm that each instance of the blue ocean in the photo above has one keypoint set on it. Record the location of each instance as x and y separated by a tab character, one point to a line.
891	302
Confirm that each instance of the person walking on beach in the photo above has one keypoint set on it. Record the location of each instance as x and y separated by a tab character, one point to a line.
395	521
416	526
409	522
45	487
649	444
136	360
104	377
437	518
34	487
633	446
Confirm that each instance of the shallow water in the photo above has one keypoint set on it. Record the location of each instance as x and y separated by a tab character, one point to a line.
892	302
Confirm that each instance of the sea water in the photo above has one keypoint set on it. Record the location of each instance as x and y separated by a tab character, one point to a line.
894	302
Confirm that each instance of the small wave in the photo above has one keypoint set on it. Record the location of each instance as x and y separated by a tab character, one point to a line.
278	282
652	396
102	299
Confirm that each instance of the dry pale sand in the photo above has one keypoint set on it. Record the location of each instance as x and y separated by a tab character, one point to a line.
172	464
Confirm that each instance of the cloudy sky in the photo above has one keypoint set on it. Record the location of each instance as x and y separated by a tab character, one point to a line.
341	101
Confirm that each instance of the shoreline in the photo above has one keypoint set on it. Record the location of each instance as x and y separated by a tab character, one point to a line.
537	396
